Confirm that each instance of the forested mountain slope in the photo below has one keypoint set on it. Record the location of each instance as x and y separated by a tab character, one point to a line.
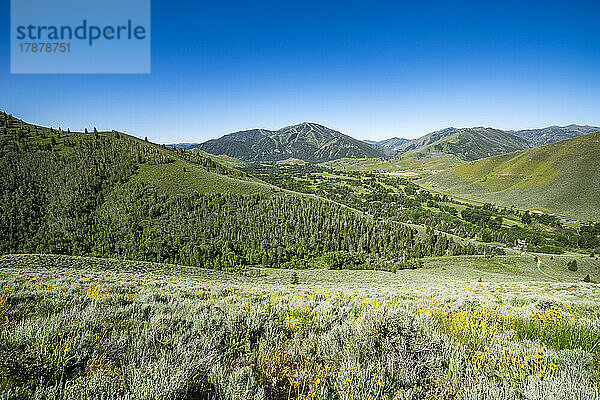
425	140
307	141
112	195
390	146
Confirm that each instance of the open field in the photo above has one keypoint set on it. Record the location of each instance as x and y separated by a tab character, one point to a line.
462	327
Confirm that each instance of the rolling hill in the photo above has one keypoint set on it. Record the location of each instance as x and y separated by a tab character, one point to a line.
552	134
466	144
307	141
561	177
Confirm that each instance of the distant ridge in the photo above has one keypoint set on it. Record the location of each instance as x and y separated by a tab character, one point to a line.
466	144
181	145
553	134
426	139
306	141
391	145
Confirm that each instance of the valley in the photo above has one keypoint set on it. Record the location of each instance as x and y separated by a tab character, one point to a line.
326	200
149	271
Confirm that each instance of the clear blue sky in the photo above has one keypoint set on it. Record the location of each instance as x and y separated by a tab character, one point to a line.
369	70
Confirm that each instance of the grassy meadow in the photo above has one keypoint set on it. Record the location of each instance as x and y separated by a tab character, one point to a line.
466	327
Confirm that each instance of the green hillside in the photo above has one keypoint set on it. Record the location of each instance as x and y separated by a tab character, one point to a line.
471	144
111	154
560	177
228	161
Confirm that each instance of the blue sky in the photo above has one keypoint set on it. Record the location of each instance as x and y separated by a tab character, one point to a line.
369	69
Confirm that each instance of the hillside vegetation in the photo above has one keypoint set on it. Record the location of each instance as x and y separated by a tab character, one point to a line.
471	144
109	194
465	328
307	141
390	146
389	197
427	139
562	177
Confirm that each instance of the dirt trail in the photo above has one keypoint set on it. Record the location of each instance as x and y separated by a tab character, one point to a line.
539	266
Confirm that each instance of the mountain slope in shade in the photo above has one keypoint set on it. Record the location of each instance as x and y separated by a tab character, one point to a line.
181	145
307	141
390	146
561	177
469	143
425	140
552	134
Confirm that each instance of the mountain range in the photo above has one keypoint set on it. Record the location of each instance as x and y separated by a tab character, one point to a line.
312	142
466	144
553	134
181	145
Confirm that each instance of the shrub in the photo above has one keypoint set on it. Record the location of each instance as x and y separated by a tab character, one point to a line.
294	280
572	265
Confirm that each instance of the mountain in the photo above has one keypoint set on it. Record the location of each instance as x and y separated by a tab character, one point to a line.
390	145
181	145
306	141
561	177
426	140
552	134
467	144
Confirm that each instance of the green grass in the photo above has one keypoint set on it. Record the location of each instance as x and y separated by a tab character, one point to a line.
558	177
177	177
292	161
